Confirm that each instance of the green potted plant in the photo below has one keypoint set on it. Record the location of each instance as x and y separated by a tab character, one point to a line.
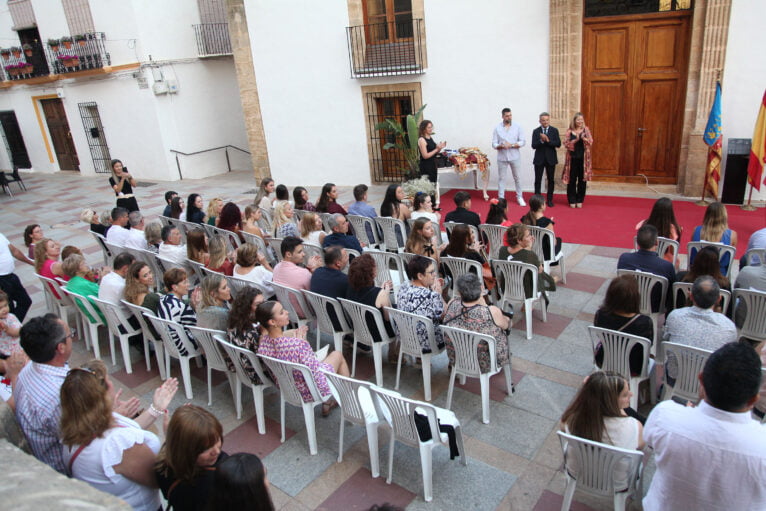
27	49
80	39
6	53
54	44
16	51
66	41
405	140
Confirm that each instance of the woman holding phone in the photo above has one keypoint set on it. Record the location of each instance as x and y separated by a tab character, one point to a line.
122	183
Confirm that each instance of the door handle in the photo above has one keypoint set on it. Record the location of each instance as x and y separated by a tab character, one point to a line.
641	130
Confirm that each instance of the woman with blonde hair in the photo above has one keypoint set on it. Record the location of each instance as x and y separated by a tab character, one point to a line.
283	220
312	229
250	221
421	239
213	310
196	246
214	208
715	229
262	199
219	260
111	452
47	262
578	169
153	235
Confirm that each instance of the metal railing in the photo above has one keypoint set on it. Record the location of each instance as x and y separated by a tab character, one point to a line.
386	49
224	147
212	39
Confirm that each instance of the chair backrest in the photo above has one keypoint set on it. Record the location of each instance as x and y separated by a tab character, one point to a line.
51	288
690	362
647	282
457	266
238	356
139	313
85	307
684	290
164	264
354	398
358	313
115	317
448	226
213	355
406	325
756	256
510	280
150	258
401	415
197	268
321	305
237	284
209	229
597	464
164	327
108	256
293	300
543	237
266	222
383	261
754	325
406	257
298	215
166	220
276	244
663	244
231	238
695	246
616	347
285	373
257	241
311	250
389	227
466	345
325	217
114	249
494	235
365	229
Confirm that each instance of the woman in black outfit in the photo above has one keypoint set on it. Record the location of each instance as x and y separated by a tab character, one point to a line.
536	217
122	183
194	212
428	151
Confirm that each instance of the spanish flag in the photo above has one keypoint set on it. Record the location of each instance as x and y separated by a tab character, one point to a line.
758	148
713	138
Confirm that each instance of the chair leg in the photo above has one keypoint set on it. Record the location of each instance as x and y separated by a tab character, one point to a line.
340	439
508	378
319	335
167	364
484	383
398	369
634	390
451	387
353	360
238	398
125	348
426	363
372	446
391	445
337	338
311	430
528	304
426	466
111	345
620	499
147	355
186	374
209	385
93	329
159	352
259	411
377	358
568	494
460	447
282	414
543	310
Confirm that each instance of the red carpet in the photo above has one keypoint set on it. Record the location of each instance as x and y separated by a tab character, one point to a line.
611	221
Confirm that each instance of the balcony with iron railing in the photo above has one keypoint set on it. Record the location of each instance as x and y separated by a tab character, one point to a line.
212	39
79	53
386	49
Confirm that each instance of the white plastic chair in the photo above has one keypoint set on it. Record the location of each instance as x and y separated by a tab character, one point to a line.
593	467
325	218
232	240
647	282
494	235
754	325
293	300
284	371
120	328
257	241
166	220
755	256
150	258
214	359
61	304
457	266
466	344
312	249
159	349
695	246
90	324
400	414
510	282
686	289
236	284
383	271
361	224
101	241
663	244
448	226
320	305
196	270
406	324
690	361
266	222
358	312
545	237
238	355
357	407
276	245
616	348
389	226
406	257
164	327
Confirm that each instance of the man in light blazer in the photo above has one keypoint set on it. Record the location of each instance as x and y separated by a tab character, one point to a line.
545	141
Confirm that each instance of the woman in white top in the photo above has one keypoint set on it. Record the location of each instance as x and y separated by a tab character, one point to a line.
253	266
102	446
422	208
266	188
312	229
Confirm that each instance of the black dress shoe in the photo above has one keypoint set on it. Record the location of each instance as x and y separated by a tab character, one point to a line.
550	203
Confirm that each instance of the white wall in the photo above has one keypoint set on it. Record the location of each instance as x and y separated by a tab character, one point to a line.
744	78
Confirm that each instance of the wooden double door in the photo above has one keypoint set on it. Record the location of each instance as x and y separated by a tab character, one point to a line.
633	93
61	136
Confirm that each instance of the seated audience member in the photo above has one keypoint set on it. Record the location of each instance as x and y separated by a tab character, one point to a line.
620	312
153	235
196	246
262	197
171	247
219	260
362	289
283	220
462	244
312	230
93	219
706	263
422	208
301	197
194	212
169	195
47	262
253	266
177	208
105	449
231	219
92	275
715	228
420	240
48	342
329	280
136	235
174	307
470	312
664	219
10	327
699	325
76	269
214	208
498	213
213	311
520	241
250	221
712	456
647	260
757	240
423	296
138	284
360	207
290	272
273	319
187	462
242	329
105	218
536	217
462	213
32	234
328	198
392	205
339	235
240	483
281	194
112	285
118	234
749	277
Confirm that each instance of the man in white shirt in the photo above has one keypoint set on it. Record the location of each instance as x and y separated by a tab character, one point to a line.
118	234
171	247
19	301
712	456
136	237
507	138
112	285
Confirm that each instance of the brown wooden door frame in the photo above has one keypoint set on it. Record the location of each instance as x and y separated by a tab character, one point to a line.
61	135
373	34
617	85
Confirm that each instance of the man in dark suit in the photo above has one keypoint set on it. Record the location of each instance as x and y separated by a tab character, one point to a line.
545	140
646	259
462	213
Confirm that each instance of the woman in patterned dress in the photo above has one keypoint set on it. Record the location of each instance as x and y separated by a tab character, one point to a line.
423	296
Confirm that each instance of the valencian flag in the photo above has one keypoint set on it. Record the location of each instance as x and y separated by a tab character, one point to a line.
758	148
713	138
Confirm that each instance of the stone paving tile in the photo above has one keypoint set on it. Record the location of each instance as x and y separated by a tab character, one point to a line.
543	397
552	328
550	501
582	282
361	491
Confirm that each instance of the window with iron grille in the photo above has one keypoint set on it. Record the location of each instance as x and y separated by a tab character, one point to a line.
78	16
94	133
212	33
388	165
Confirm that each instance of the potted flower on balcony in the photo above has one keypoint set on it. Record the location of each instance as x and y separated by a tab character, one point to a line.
27	49
16	51
28	68
54	44
6	53
69	60
80	39
66	41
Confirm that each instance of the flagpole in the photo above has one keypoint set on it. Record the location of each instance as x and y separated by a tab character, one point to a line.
702	201
748	207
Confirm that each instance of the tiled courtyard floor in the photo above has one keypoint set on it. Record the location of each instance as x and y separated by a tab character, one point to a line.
513	463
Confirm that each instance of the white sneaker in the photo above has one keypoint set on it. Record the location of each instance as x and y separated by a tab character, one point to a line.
521	202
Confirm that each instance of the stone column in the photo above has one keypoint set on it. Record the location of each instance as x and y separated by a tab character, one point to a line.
248	87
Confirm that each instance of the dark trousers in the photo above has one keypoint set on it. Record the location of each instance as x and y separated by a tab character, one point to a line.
577	183
18	299
549	171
